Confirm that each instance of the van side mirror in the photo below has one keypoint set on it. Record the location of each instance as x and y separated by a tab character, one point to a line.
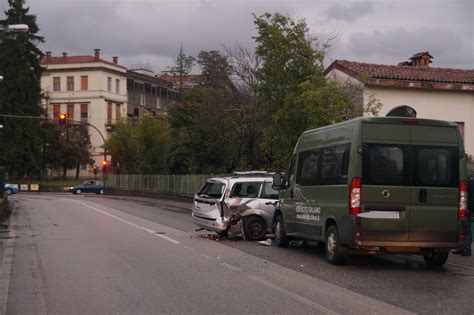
277	181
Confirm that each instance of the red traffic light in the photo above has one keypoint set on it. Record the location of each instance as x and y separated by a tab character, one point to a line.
104	163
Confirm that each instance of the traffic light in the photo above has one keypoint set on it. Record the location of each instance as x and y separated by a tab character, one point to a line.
62	119
104	163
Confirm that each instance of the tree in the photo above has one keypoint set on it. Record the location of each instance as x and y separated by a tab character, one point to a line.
20	93
294	93
183	65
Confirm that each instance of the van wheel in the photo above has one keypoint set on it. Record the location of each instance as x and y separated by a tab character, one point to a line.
435	258
336	254
255	228
281	239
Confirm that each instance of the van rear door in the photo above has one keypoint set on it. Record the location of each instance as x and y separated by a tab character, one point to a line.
385	182
435	178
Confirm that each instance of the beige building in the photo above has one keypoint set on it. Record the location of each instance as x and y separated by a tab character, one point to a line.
435	93
88	89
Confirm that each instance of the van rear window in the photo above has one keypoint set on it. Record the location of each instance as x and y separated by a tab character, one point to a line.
385	164
405	165
436	166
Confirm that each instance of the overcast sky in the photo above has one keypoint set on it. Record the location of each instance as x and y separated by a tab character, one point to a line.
150	31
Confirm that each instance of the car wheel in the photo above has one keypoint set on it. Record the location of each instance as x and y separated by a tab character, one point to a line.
436	258
336	254
78	191
9	191
281	239
255	228
101	192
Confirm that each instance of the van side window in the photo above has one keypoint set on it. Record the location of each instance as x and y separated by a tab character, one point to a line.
385	165
335	164
309	167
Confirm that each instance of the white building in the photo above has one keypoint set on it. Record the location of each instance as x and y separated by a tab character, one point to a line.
435	93
88	89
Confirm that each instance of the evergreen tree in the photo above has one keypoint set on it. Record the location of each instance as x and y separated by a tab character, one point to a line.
182	67
20	92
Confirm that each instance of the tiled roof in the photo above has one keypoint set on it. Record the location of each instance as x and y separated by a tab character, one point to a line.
74	59
190	78
403	73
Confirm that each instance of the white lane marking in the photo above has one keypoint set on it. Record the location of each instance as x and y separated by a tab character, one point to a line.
7	263
169	239
453	264
295	296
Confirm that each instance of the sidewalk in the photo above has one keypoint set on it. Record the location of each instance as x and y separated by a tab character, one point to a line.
465	261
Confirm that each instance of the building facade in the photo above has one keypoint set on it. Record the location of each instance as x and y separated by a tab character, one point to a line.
86	89
435	93
148	94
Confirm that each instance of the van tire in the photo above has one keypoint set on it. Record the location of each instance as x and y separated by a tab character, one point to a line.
436	258
255	228
281	239
336	254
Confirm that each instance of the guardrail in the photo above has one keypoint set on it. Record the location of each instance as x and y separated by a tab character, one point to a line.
180	185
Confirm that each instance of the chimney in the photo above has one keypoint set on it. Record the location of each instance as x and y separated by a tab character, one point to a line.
97	54
421	60
48	56
115	60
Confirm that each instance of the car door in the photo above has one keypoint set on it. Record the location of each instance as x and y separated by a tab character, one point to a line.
208	201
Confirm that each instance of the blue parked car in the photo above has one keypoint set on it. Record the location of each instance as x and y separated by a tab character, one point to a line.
11	189
90	186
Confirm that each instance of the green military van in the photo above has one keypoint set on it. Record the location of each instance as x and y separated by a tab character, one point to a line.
376	185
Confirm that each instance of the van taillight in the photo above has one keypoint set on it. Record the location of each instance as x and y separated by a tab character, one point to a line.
354	196
462	199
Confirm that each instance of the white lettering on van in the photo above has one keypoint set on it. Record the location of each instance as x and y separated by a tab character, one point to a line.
308	213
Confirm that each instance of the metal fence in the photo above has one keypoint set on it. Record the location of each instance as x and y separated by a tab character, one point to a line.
183	185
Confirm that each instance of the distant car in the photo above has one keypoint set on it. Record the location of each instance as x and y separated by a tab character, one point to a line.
247	197
11	189
90	186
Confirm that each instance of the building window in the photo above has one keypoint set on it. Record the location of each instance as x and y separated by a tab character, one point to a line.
109	84
56	111
70	111
70	83
118	115
84	113
109	113
117	86
84	83
56	84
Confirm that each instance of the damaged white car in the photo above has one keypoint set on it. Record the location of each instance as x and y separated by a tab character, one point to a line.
244	198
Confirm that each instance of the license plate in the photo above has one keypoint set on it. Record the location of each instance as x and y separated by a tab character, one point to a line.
380	215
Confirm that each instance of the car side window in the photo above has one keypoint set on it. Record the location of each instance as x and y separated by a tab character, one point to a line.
245	190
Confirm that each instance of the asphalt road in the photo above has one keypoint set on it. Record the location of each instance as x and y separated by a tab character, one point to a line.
101	255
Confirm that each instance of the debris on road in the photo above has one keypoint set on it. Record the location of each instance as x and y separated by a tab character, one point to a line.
267	242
